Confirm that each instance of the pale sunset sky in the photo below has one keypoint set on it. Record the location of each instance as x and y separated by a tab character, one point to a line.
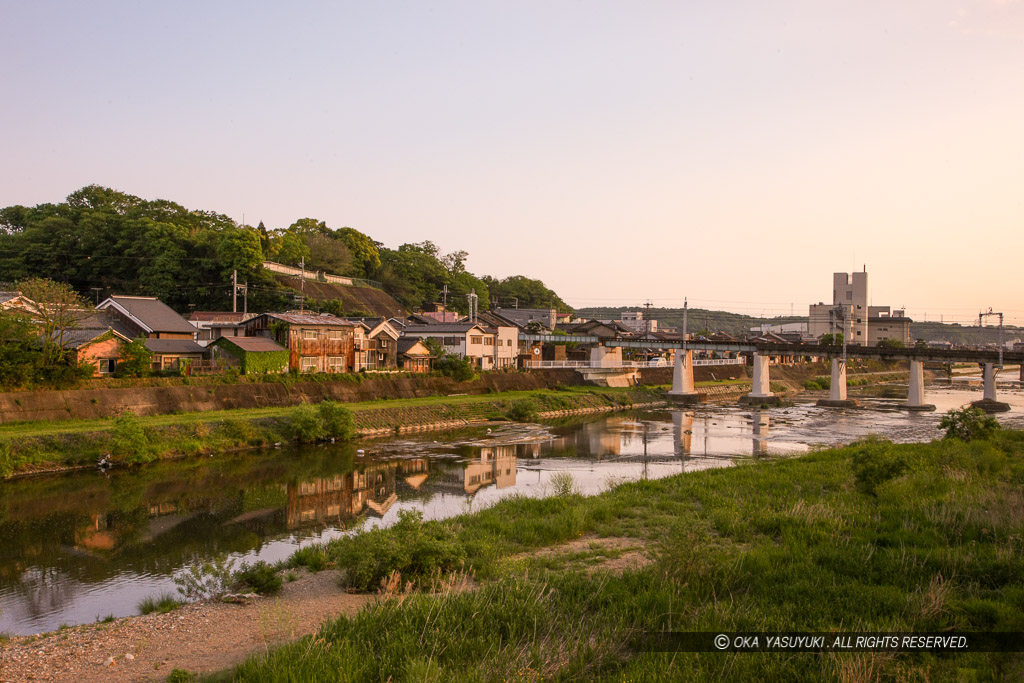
735	153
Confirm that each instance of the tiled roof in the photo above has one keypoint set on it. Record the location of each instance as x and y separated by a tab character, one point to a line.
153	313
310	319
173	346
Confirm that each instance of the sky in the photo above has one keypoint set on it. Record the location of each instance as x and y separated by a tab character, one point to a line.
733	153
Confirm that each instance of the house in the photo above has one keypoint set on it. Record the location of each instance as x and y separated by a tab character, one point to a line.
414	356
213	324
315	343
17	303
376	344
465	340
254	355
506	343
97	340
169	337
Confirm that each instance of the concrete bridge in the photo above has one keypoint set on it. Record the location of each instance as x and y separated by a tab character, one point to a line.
682	376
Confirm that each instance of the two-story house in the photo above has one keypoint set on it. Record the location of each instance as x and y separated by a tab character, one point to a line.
465	340
169	337
316	343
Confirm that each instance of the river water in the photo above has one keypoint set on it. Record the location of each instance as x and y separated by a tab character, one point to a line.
78	547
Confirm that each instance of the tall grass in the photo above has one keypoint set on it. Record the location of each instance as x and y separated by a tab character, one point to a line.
785	545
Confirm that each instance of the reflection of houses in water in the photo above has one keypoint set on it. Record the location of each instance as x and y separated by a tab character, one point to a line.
99	535
343	496
415	471
592	439
492	465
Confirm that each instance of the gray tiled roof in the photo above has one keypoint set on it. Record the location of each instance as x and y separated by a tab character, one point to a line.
154	314
173	346
252	343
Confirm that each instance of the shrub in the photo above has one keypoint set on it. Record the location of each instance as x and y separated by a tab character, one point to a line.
6	460
260	578
181	676
237	431
207	579
128	440
161	604
458	369
311	557
306	425
523	410
136	360
412	548
563	484
968	424
874	463
337	420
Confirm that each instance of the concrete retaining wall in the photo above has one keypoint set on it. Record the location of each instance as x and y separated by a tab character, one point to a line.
98	403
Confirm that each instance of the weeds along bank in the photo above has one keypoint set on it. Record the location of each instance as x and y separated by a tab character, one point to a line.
872	537
130	440
160	396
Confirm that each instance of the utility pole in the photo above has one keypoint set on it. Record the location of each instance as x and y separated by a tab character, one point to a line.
647	318
685	313
444	295
234	291
302	296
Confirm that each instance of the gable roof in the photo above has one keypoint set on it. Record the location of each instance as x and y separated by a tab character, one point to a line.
150	314
407	346
77	338
441	328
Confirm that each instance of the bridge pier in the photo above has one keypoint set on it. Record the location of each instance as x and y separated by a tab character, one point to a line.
915	391
683	390
762	422
682	428
837	389
988	403
760	391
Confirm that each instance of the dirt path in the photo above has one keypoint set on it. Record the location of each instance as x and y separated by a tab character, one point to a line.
201	638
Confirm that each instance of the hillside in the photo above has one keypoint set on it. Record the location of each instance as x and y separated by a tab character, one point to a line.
354	300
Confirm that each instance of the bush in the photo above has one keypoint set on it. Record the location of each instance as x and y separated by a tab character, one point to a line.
458	369
311	557
412	548
161	604
874	463
259	578
306	425
208	579
523	410
337	420
6	460
968	424
128	440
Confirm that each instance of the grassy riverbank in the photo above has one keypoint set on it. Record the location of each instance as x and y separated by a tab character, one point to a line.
873	536
39	446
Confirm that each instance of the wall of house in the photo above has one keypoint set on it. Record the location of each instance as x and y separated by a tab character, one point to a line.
91	353
97	403
322	348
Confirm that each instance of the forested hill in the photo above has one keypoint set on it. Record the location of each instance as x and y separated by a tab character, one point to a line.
103	242
701	320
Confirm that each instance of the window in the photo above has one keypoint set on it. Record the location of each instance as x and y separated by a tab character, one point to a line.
107	365
309	334
382	343
476	339
336	364
488	341
849	296
335	334
309	364
449	341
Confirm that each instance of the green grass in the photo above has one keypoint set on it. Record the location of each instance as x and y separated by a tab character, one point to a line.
161	604
135	440
783	545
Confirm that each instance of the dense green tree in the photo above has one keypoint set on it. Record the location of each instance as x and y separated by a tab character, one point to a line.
327	254
365	254
529	293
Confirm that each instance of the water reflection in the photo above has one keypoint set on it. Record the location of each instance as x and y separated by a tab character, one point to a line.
88	544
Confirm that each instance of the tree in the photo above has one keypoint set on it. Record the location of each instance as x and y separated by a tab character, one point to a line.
56	309
18	351
891	344
365	254
327	254
136	359
524	292
832	339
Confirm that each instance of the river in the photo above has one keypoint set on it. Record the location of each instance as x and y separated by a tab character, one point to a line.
77	547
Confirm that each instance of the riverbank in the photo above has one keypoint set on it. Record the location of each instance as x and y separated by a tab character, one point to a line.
45	446
872	537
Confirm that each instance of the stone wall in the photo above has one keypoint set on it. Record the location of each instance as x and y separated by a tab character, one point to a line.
98	403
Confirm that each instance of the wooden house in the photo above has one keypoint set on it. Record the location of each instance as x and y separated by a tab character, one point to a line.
315	343
169	337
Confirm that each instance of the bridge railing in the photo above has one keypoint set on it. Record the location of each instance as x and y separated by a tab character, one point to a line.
622	365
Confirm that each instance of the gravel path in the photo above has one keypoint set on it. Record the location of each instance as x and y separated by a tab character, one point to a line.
201	637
